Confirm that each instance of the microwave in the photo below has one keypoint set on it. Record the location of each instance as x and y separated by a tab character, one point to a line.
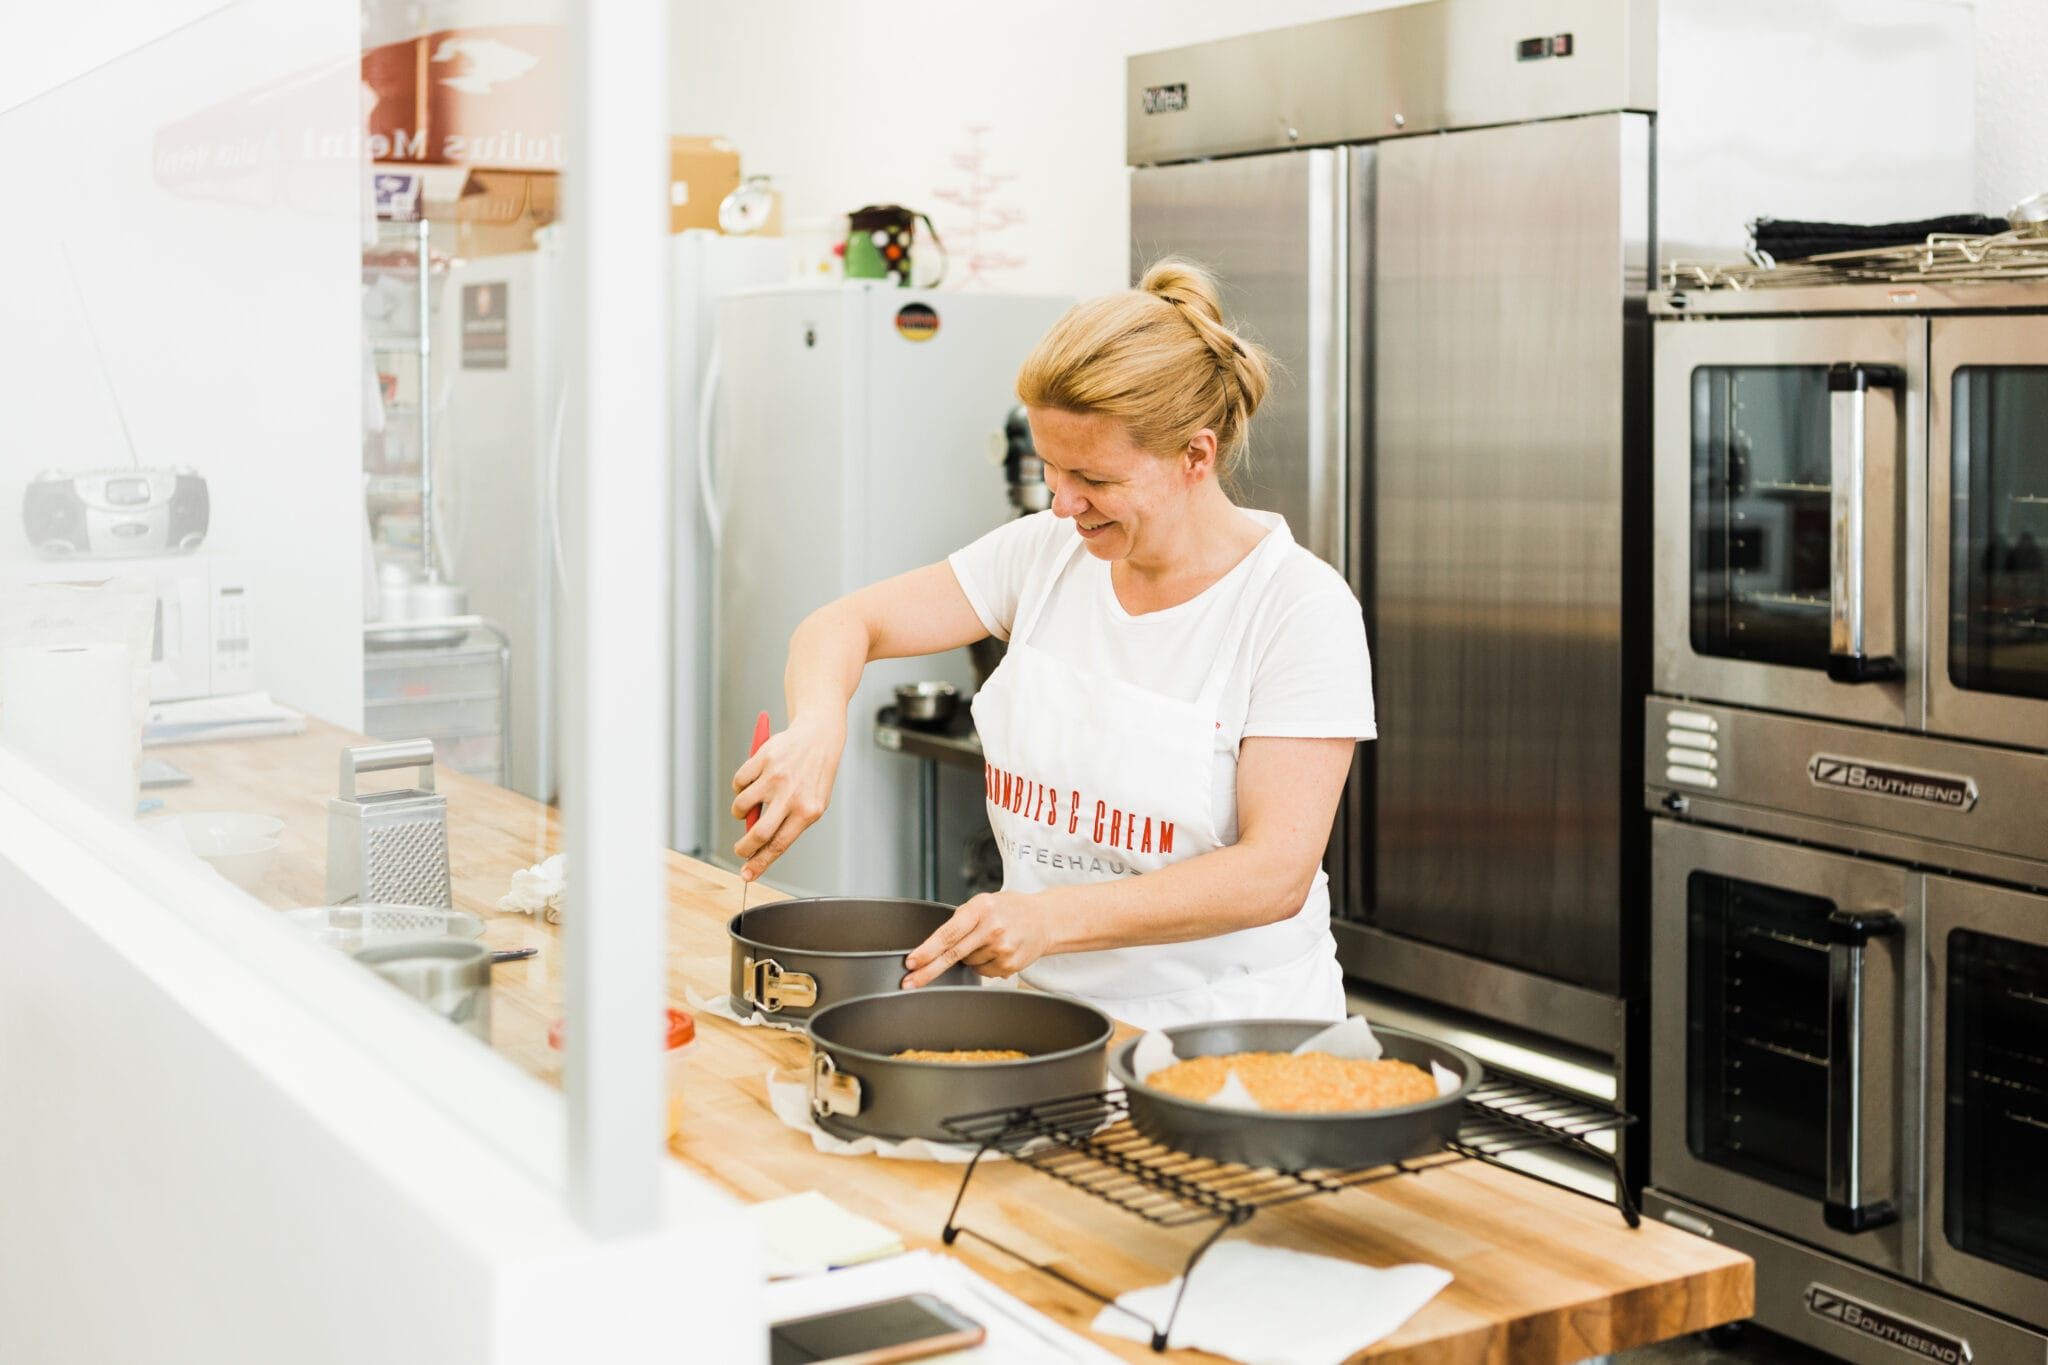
201	641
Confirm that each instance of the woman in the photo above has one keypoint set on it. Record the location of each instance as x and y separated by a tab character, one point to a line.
1170	729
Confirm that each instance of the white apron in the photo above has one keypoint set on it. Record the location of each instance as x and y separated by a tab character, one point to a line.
1091	778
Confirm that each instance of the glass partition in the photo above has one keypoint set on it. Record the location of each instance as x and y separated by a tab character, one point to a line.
302	512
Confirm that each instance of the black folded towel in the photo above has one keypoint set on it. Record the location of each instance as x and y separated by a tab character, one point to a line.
1786	240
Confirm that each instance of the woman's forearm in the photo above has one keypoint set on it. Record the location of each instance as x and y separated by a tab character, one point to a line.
826	656
1237	887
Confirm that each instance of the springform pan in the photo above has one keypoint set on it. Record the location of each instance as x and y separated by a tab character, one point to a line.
1296	1142
860	1088
792	958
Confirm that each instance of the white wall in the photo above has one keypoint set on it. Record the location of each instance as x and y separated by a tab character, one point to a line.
200	190
848	106
196	1170
2012	111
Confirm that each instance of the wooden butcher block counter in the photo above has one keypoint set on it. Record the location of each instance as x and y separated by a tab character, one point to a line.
1542	1274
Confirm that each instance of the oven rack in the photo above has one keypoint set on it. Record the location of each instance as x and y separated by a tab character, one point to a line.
1943	258
1088	1142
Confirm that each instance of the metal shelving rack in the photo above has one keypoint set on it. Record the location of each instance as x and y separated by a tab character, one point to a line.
420	345
439	642
1089	1142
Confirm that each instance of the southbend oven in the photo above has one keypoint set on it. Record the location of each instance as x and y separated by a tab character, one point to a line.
1847	762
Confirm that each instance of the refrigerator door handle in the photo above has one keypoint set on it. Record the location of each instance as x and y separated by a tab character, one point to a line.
707	398
1327	534
1862	1143
1863	612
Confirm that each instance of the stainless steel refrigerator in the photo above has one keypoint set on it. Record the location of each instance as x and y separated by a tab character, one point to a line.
1442	217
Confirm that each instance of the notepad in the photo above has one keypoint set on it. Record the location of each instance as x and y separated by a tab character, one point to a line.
802	1233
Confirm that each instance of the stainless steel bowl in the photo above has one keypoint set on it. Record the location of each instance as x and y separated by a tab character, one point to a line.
1297	1142
926	703
860	1088
793	958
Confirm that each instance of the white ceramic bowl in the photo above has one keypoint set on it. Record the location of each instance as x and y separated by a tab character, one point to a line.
242	859
220	824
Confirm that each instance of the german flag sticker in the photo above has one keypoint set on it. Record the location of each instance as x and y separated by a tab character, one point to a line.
917	322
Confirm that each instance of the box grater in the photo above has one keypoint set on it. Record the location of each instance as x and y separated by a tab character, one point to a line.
388	848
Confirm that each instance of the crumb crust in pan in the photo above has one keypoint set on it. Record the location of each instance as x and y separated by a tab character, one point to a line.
1300	1083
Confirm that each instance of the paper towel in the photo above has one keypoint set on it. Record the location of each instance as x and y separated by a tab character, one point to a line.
790	1100
70	710
1270	1306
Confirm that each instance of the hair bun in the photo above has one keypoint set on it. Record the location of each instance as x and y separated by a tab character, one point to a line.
1166	372
1185	285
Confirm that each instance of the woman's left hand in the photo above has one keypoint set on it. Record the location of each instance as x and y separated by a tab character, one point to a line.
997	934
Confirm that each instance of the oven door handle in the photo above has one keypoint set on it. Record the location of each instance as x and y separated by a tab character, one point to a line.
1862	1169
1863	605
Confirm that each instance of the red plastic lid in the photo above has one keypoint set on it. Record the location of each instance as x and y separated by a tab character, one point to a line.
682	1029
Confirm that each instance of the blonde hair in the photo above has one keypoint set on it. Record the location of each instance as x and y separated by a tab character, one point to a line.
1158	358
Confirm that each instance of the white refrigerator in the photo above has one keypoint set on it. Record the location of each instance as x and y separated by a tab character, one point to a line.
499	463
705	268
856	435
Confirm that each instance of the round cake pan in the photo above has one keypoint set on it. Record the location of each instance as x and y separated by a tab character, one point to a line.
792	958
1296	1142
860	1088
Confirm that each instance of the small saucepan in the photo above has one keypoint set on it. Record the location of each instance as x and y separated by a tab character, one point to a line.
926	703
792	958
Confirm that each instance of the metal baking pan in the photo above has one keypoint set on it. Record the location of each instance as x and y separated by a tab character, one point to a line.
860	1088
793	958
1296	1142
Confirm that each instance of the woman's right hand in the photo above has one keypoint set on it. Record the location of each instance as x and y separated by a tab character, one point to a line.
790	779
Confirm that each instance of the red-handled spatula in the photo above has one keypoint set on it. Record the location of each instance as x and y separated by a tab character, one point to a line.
761	728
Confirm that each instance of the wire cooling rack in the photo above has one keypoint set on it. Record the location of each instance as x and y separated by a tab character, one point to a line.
1088	1142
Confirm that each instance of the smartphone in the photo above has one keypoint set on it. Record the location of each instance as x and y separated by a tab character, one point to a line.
908	1328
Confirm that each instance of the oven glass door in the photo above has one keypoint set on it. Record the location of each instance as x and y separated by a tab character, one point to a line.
1987	1166
1988	530
1782	1039
1782	447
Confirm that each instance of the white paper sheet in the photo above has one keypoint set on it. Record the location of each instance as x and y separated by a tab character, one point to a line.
1269	1306
790	1098
1234	1094
1154	1052
721	1007
1352	1039
807	1233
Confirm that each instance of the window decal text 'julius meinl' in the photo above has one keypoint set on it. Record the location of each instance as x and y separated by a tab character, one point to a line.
1068	809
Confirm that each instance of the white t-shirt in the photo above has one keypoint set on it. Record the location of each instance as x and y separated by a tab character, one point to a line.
1301	673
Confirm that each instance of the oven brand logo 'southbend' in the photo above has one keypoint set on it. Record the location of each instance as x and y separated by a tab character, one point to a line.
1908	784
1889	1328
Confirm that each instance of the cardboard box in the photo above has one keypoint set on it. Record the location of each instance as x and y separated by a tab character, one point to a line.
499	211
701	172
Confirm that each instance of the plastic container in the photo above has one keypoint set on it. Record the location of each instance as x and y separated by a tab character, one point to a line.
682	1035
